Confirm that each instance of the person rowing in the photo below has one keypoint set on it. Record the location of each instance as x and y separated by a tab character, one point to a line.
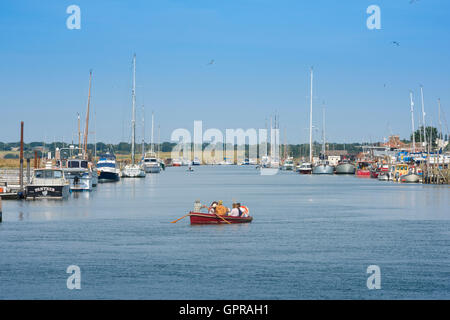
212	208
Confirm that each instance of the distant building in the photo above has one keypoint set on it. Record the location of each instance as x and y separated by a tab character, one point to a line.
394	143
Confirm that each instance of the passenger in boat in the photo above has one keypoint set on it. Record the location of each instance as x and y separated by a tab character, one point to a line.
212	208
221	210
198	206
235	212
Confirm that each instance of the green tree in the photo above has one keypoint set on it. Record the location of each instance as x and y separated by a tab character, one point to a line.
429	131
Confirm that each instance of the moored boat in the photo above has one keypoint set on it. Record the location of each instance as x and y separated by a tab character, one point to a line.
196	162
208	218
288	164
323	168
363	169
133	170
107	168
48	183
345	167
305	168
80	174
151	163
410	178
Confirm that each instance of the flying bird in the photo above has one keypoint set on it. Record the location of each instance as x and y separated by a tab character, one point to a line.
396	43
412	1
211	62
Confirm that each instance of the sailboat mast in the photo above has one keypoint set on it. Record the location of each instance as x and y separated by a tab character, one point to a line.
412	122
86	129
271	138
153	123
310	120
159	139
79	132
133	119
143	131
440	122
323	132
423	118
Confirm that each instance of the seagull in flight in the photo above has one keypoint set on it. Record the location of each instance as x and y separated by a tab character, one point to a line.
211	62
412	1
396	43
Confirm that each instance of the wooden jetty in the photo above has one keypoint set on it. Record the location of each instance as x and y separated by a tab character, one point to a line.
436	174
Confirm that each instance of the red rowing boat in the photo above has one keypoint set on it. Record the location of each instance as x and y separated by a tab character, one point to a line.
208	218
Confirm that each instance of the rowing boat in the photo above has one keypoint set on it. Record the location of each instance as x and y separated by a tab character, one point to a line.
208	218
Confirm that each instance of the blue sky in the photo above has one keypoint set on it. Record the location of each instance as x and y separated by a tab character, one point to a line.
262	51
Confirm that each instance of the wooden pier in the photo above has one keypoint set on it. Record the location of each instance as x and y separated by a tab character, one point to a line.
434	174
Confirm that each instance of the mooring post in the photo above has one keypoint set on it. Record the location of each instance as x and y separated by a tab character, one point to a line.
28	171
0	209
21	157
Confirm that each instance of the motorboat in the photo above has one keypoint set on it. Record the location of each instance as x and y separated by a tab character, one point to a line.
345	167
323	168
49	183
107	168
80	174
151	163
305	168
288	164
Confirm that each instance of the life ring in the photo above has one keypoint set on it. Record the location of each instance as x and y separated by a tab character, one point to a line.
245	211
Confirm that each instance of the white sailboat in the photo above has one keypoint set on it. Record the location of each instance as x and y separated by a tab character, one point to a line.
133	170
323	167
150	160
306	167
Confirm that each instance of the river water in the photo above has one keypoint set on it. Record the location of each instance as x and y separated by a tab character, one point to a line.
312	237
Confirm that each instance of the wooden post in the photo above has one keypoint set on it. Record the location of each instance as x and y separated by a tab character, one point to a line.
0	209
21	157
28	171
35	159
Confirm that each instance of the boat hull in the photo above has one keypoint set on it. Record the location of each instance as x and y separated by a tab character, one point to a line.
152	169
133	172
81	184
47	192
323	169
363	173
410	178
345	168
207	218
105	176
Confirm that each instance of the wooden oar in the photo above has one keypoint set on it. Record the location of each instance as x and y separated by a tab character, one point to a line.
181	217
223	218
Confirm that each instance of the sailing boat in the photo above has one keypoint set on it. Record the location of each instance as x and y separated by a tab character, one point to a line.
306	167
81	172
323	167
133	170
150	161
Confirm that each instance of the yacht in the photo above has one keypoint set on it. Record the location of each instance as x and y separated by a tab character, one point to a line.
323	168
133	170
305	168
107	168
196	162
151	163
80	174
345	167
288	164
176	163
48	183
